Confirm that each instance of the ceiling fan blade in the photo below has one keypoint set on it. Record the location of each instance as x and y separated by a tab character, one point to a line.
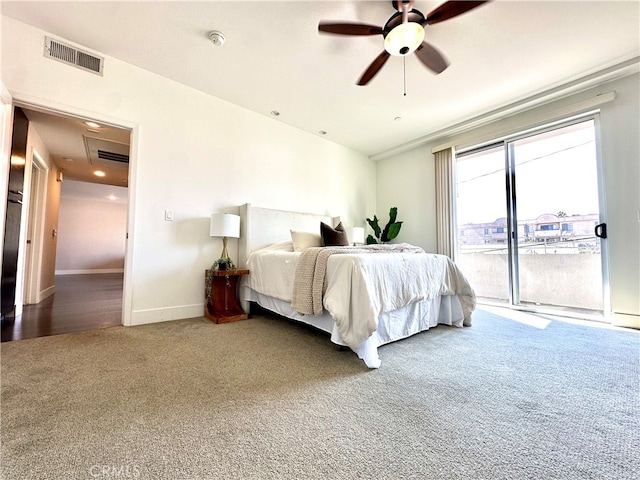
449	10
431	58
374	68
350	28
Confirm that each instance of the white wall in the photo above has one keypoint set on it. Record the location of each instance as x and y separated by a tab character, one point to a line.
407	180
194	154
41	207
92	228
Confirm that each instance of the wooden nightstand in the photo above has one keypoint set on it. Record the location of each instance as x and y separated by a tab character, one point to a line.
223	306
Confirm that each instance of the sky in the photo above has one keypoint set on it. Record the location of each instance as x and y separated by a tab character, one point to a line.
555	172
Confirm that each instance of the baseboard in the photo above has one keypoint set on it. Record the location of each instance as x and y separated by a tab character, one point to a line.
157	315
47	292
85	272
625	320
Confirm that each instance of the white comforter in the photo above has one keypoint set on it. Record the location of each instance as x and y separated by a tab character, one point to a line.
360	287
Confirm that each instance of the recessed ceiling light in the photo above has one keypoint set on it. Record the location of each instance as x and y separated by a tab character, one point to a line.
92	124
275	113
112	197
70	160
322	132
99	173
397	119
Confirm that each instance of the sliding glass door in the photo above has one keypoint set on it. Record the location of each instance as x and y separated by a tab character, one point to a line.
481	213
529	224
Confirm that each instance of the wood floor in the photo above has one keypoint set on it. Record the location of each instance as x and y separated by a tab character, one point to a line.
80	302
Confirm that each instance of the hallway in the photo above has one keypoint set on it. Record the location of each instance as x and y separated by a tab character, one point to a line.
81	302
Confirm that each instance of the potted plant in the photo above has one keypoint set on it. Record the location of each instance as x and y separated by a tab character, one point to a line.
388	233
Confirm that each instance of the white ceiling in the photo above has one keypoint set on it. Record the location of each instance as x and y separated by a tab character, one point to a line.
275	59
66	140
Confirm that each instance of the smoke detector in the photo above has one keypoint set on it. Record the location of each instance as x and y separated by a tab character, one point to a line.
217	38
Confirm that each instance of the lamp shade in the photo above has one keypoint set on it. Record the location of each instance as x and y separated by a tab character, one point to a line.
225	225
404	39
356	235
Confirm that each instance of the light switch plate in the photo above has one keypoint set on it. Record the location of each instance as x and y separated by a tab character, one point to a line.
168	215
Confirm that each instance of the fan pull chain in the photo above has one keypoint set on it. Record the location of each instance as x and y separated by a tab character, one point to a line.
404	74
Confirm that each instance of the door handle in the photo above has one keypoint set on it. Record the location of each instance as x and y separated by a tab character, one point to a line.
601	230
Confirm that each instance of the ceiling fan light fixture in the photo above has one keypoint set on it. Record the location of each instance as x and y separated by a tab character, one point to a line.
404	39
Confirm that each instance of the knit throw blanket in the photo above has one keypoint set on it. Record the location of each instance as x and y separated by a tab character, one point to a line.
310	280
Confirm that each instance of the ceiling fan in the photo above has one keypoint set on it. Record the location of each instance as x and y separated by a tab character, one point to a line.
404	34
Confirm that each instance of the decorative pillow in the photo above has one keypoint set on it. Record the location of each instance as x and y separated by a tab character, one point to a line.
333	237
304	240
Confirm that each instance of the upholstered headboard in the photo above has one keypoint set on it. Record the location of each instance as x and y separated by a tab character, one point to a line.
260	227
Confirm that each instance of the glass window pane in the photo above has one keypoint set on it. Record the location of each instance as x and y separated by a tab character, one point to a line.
557	205
481	220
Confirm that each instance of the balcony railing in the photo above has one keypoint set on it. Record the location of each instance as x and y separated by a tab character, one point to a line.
562	273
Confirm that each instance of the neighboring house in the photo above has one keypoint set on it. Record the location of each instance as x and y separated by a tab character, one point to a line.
196	154
546	228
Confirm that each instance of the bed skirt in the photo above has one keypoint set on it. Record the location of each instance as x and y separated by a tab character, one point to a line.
392	326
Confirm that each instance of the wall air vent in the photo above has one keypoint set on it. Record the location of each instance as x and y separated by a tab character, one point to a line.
73	56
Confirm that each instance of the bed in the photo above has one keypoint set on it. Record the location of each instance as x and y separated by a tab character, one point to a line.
367	299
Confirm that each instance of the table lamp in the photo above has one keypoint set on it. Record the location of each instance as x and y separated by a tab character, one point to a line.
224	225
356	234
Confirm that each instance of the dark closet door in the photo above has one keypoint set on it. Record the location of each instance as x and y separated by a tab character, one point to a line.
14	212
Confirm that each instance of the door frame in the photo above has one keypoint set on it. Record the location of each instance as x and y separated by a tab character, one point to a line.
35	229
134	128
506	142
6	123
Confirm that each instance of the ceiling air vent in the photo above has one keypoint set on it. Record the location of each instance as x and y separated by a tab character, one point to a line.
107	153
73	56
113	156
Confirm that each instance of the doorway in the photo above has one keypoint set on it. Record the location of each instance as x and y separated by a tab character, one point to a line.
73	148
529	220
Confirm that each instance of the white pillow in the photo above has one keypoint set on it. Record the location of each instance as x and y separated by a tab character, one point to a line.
286	246
304	240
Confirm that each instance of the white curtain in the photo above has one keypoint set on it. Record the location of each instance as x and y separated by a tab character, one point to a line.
445	221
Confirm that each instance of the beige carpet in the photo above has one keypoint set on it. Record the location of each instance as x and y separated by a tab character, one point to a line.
268	399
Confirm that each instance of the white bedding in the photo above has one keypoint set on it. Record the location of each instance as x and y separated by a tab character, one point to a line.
405	290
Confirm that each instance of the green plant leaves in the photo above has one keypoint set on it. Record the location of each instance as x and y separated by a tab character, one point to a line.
374	226
390	231
393	214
